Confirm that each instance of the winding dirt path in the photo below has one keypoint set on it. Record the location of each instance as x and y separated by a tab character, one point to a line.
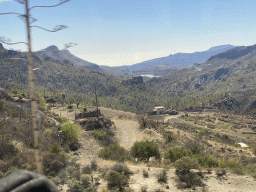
127	127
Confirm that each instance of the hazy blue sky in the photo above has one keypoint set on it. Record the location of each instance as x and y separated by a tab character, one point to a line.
121	32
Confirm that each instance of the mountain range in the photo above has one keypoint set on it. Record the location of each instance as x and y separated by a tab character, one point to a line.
181	59
232	73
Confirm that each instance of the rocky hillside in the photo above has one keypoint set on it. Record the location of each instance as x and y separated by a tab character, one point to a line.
66	55
228	72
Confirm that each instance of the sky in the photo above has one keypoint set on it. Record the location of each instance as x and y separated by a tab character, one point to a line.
125	32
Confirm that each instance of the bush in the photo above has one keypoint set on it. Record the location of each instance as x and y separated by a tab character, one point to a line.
144	150
116	179
174	154
90	189
183	167
53	163
207	161
60	119
250	169
194	145
162	177
85	179
54	148
99	134
87	170
42	102
74	185
71	131
114	152
120	168
185	164
230	164
170	136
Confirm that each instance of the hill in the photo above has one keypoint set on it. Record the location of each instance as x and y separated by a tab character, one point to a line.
228	72
66	55
181	59
63	77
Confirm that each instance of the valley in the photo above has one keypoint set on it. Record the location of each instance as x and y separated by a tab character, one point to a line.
215	101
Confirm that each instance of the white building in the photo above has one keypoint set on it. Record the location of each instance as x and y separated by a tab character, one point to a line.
159	110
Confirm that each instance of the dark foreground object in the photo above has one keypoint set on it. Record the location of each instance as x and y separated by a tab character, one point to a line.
26	181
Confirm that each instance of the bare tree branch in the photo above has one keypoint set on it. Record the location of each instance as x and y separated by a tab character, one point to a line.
6	41
10	13
62	2
69	45
31	19
55	29
21	1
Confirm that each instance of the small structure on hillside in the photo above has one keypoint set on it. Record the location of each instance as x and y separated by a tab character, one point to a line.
159	110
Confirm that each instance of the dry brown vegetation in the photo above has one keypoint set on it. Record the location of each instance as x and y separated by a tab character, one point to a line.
207	139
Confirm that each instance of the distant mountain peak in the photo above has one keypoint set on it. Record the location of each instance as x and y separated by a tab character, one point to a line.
54	53
52	48
1	46
221	47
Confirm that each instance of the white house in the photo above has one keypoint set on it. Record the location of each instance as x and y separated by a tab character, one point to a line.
159	110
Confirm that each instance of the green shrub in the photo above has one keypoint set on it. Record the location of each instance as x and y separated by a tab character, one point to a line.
90	189
87	170
54	148
74	185
15	90
53	163
85	179
120	168
174	154
144	150
230	164
238	171
185	164
71	131
183	167
61	119
114	152
170	136
207	161
116	179
202	131
42	102
99	134
194	145
251	169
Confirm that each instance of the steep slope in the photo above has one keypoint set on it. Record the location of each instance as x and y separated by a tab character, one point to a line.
64	77
66	55
228	72
180	59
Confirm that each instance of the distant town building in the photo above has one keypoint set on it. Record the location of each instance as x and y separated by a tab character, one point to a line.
159	110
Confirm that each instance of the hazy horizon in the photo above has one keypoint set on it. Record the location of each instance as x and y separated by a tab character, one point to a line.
116	33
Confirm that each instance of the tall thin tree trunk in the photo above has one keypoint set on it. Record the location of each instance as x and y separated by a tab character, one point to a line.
33	96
